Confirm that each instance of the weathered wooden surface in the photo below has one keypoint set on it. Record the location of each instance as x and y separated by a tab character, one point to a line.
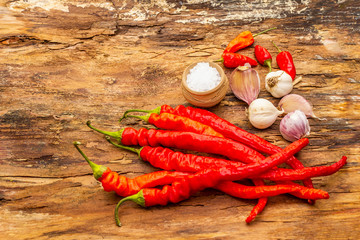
65	62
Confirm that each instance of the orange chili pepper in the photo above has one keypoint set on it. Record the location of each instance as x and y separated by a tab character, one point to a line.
243	40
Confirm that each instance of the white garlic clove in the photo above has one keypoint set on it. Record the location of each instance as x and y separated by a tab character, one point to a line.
294	126
245	83
294	102
262	113
278	83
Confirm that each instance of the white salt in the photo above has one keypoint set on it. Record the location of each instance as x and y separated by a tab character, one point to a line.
203	77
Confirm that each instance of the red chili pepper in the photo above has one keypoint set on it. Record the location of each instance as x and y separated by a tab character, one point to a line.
170	121
263	56
285	62
168	159
227	129
123	186
243	40
185	140
253	192
234	60
191	141
188	185
175	122
165	158
231	131
303	173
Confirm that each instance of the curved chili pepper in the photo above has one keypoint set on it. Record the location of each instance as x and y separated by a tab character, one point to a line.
285	62
227	129
167	154
263	56
243	40
261	163
260	206
188	185
253	192
123	186
185	140
131	186
168	159
303	173
170	121
191	141
165	158
234	60
175	122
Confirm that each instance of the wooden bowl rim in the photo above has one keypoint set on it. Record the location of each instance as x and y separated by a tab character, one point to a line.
212	64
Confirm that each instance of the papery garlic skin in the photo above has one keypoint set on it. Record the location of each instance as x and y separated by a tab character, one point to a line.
294	126
245	83
262	113
278	83
294	102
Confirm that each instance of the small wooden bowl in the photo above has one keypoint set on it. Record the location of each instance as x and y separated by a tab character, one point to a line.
208	98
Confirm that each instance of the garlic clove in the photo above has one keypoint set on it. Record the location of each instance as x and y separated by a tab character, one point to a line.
262	113
294	102
278	83
245	83
294	126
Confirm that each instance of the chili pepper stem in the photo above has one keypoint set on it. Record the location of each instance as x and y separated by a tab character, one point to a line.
219	60
276	47
98	170
268	63
264	31
144	118
125	147
156	110
116	135
136	198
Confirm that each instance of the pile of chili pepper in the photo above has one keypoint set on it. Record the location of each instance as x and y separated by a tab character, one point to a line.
231	59
239	155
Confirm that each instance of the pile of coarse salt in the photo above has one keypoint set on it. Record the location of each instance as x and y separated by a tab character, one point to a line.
203	77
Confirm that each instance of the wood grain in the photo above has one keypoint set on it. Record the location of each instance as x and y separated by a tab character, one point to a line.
65	62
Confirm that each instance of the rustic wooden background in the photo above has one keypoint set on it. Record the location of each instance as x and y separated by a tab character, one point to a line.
65	62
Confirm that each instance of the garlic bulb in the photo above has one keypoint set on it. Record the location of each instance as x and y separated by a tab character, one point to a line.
278	83
262	113
294	102
294	126
245	83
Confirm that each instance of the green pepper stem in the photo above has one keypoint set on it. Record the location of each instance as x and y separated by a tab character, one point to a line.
117	134
268	63
276	47
98	170
144	118
136	198
131	149
156	110
264	31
